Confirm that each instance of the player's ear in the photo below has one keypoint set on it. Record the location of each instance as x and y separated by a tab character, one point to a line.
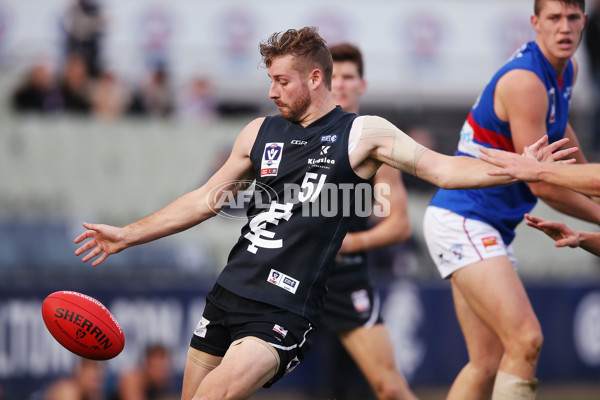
316	78
534	22
363	86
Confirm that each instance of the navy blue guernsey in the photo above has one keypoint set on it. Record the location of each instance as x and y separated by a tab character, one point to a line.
298	216
352	267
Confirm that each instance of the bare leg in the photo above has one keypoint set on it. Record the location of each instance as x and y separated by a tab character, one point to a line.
246	367
372	350
493	292
476	379
197	365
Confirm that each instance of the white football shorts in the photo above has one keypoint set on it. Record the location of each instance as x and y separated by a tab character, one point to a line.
455	241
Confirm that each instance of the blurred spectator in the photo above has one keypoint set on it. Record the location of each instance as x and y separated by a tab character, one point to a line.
37	93
198	102
154	97
84	26
109	97
153	380
86	383
74	85
592	47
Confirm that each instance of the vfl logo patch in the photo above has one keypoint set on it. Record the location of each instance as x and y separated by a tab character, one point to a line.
489	241
202	327
283	281
280	329
332	138
271	159
360	300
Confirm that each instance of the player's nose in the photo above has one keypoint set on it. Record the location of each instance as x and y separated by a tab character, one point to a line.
273	92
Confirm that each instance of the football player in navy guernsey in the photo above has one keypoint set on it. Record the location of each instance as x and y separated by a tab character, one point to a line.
352	307
260	316
469	232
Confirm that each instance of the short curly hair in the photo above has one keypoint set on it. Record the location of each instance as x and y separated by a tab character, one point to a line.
309	48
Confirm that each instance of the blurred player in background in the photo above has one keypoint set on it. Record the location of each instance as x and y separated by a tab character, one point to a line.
352	307
86	383
152	380
260	316
468	233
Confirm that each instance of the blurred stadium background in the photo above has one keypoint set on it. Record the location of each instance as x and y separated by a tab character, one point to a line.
165	88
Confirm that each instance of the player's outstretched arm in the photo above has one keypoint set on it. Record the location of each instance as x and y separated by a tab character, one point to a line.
527	166
540	150
382	142
582	178
457	172
563	235
183	213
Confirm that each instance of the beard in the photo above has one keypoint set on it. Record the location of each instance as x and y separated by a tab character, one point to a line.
295	112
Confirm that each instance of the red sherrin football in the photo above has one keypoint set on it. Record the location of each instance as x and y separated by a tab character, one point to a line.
82	325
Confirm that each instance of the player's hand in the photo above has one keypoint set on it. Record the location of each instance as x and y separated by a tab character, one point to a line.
543	152
347	244
523	167
105	240
353	242
558	231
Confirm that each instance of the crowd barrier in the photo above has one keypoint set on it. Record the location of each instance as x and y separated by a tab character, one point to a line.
420	316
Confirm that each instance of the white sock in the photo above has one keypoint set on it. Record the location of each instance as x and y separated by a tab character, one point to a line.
512	387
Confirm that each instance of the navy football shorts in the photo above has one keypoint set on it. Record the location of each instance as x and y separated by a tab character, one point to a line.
228	317
351	305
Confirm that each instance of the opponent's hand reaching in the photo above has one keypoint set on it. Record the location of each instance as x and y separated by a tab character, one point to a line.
558	231
105	240
523	167
543	152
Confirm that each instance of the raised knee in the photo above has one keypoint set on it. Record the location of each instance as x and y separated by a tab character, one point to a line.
528	345
534	346
391	390
387	392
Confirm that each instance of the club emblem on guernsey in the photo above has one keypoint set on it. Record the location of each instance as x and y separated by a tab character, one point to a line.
259	235
332	138
271	159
